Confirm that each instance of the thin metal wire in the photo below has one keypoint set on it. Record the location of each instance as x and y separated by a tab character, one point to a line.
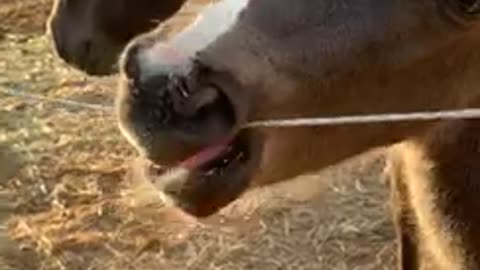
22	94
368	118
471	113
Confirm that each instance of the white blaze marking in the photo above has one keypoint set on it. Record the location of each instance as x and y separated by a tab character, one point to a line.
173	55
213	21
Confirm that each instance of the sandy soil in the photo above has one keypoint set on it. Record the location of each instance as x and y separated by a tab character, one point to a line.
70	201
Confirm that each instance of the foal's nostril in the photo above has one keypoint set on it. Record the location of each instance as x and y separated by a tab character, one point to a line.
207	115
196	101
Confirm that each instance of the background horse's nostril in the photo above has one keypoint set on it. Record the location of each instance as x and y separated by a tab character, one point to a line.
61	45
84	53
61	49
87	49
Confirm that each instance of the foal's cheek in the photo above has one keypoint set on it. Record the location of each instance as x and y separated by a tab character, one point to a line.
283	156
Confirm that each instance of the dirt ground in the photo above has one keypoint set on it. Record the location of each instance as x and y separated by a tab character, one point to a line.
69	201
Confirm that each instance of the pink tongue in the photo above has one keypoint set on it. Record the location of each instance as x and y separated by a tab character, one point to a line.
206	155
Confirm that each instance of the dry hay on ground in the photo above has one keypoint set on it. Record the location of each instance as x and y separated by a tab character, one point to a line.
26	16
344	225
71	211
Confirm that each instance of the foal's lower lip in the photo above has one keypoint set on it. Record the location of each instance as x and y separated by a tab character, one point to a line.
206	155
